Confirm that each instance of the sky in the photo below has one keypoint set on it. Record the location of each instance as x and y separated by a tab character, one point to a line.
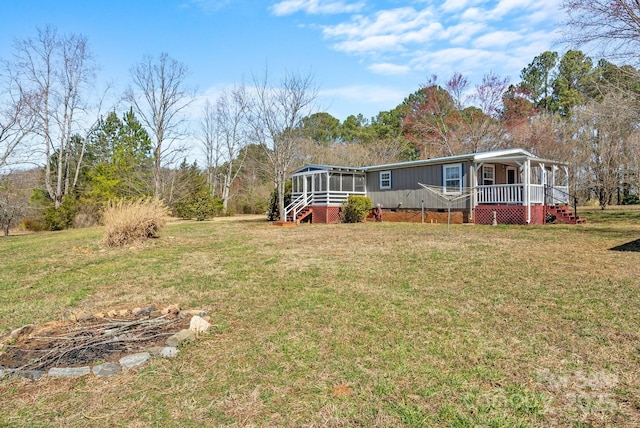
365	56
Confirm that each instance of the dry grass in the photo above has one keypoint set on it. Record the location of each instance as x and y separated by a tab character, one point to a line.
133	221
373	324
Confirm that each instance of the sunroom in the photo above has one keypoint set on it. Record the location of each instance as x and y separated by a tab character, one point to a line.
320	190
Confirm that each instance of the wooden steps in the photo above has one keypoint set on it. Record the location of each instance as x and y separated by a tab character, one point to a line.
304	213
564	215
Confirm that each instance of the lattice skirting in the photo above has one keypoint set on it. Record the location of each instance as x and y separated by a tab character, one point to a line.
508	214
324	214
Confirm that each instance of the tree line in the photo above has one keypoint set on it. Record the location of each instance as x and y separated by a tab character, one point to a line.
84	153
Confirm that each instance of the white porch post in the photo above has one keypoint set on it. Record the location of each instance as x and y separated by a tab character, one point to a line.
472	184
527	188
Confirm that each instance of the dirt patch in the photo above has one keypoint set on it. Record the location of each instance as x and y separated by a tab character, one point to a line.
85	341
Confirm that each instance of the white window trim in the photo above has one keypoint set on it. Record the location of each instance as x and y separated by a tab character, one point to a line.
385	187
493	169
444	178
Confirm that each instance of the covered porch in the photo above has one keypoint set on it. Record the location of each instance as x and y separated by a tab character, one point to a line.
319	191
517	188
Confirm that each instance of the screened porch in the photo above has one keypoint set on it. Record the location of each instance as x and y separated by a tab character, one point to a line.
324	185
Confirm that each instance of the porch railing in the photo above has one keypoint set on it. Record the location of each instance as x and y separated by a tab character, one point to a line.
510	194
500	194
328	198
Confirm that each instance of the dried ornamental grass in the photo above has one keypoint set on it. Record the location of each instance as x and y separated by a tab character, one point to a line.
131	221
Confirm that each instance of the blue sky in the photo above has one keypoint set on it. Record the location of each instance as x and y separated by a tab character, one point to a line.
365	56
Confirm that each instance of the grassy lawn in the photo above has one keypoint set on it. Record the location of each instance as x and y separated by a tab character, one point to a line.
374	324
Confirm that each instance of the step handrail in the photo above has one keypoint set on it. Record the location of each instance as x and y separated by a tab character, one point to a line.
298	205
549	194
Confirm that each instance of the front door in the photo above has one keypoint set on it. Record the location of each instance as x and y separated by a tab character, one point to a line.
511	175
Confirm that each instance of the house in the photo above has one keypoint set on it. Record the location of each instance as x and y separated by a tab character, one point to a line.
513	185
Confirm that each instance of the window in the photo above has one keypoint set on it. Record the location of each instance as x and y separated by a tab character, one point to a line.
359	183
488	175
385	180
452	178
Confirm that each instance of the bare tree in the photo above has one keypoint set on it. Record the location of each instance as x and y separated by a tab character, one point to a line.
211	142
604	131
15	125
613	26
52	72
224	132
277	115
159	97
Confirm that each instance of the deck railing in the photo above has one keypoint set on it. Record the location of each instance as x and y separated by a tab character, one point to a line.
500	194
514	194
328	198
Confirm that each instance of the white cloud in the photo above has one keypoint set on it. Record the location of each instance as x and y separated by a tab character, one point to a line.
389	69
497	39
314	7
388	30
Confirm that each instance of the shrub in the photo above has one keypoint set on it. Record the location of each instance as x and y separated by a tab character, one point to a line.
201	206
355	209
273	213
132	221
62	217
631	200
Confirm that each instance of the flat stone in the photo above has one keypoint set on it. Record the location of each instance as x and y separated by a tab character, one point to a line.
134	360
69	371
155	350
29	374
171	309
112	313
142	311
169	352
192	312
107	369
199	325
180	338
2	373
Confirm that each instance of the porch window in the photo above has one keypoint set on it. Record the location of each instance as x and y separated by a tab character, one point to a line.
347	183
385	180
452	178
359	183
334	182
488	175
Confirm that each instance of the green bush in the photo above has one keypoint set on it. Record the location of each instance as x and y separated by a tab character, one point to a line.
273	213
355	209
128	222
62	217
631	200
201	206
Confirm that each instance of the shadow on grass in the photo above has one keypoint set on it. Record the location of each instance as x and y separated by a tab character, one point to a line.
629	246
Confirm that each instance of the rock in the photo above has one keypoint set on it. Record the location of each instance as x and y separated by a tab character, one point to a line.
100	315
207	318
84	316
69	371
192	312
107	369
171	309
155	314
134	360
19	333
155	350
112	313
1	373
123	312
169	352
139	312
180	338
29	374
199	325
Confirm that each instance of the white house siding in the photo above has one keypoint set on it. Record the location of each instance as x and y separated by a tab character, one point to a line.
405	191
